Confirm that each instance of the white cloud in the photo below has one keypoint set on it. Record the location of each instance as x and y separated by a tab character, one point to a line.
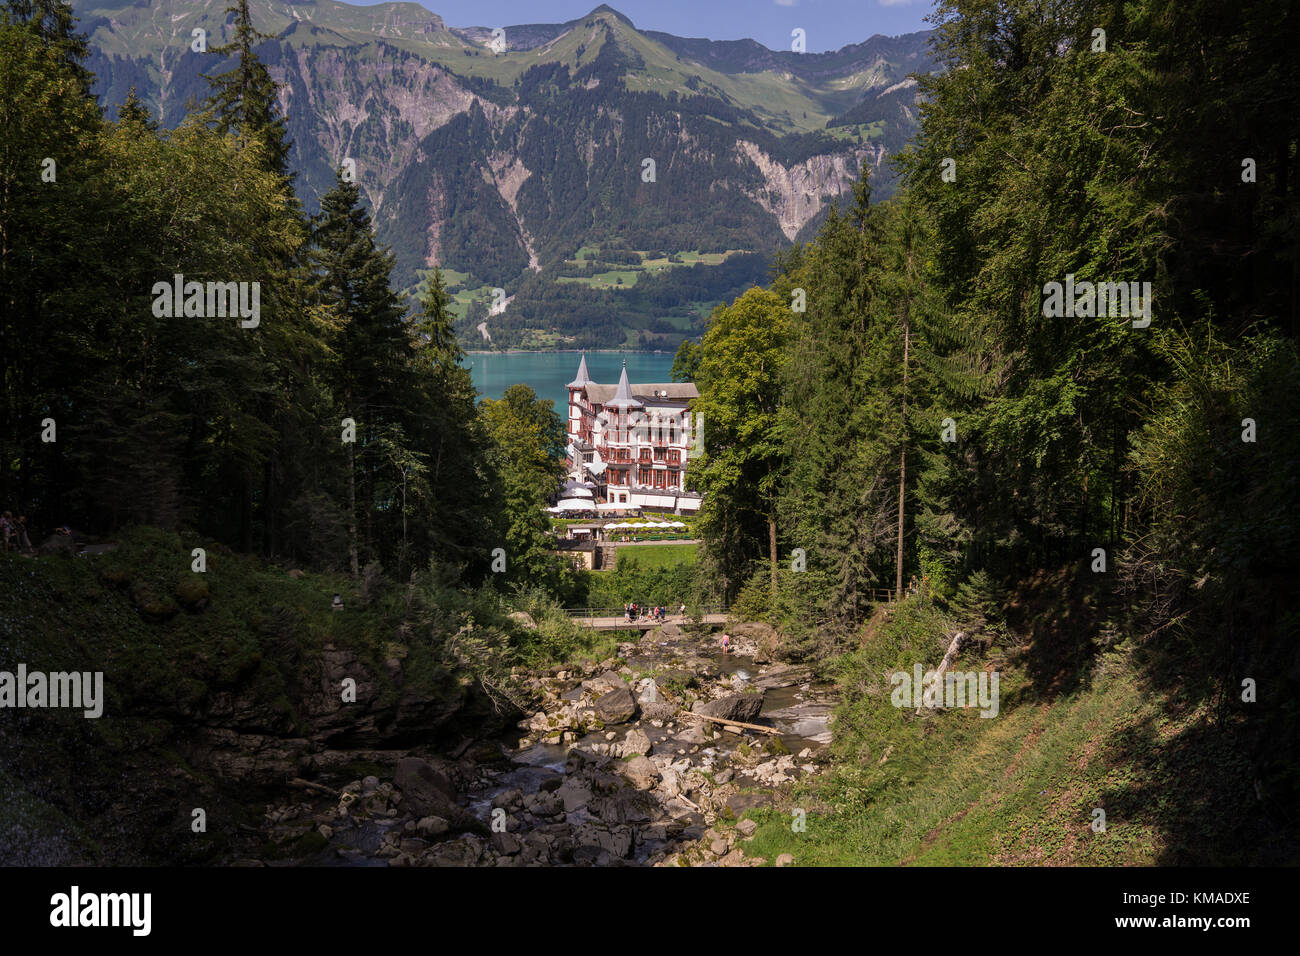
786	3
896	3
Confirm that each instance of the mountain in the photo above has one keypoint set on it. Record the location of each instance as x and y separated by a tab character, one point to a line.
612	183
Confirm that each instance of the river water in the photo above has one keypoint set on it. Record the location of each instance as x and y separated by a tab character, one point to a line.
549	372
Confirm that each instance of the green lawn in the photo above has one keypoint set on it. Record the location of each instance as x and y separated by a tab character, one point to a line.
660	555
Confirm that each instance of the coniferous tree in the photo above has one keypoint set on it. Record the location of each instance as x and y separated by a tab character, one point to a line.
370	367
55	23
243	99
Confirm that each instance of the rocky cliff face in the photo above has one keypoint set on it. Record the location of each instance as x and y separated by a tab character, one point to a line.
795	194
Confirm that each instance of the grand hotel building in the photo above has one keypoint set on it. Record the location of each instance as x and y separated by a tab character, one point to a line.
632	442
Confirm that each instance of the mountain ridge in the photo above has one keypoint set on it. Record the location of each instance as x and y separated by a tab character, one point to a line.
501	166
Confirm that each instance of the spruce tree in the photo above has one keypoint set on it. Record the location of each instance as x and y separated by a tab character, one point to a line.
370	367
243	98
54	22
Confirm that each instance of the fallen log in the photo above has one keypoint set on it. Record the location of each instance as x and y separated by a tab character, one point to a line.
299	782
731	723
943	665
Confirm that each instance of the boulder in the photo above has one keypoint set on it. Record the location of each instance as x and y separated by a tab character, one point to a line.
605	683
661	710
462	852
431	826
742	707
575	793
615	840
738	803
544	804
618	706
506	843
766	639
640	772
635	743
625	806
425	790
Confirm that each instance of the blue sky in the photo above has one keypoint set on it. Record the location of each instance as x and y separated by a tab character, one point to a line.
827	24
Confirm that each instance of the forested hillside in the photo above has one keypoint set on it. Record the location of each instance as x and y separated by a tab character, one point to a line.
903	409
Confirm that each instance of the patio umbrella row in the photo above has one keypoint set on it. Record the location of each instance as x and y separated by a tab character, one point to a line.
644	525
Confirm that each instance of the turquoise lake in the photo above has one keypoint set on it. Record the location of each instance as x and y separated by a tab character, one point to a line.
549	372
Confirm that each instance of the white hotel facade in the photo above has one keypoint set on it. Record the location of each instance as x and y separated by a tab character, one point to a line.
632	442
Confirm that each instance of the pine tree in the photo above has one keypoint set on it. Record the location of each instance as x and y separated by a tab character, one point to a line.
54	22
243	99
370	370
132	111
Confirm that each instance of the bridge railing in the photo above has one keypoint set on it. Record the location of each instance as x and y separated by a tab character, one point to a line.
621	614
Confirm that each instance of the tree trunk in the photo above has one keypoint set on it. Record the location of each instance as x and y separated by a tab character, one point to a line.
953	648
352	512
902	459
771	543
268	491
246	513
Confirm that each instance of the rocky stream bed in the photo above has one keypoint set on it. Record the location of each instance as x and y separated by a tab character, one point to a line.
612	769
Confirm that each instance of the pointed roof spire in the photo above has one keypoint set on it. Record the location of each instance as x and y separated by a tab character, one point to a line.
583	378
623	394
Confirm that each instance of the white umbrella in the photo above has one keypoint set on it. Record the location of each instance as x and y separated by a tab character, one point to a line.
662	524
580	492
574	504
616	526
677	524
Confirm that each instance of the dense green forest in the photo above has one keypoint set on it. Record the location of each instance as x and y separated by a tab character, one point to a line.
902	407
333	429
